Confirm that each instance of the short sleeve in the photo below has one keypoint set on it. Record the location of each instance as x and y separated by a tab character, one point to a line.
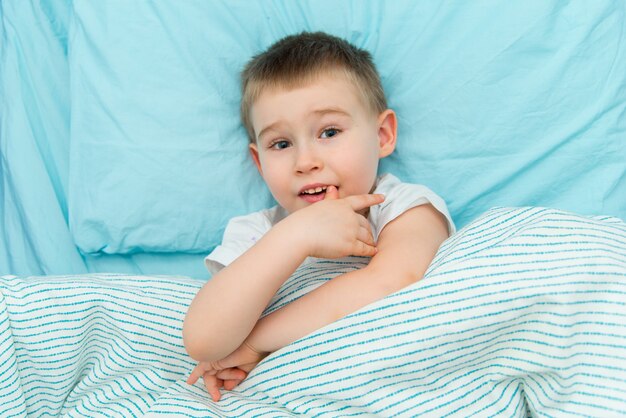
400	197
241	233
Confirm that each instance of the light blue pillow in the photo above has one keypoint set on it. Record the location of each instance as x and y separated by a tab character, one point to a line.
499	103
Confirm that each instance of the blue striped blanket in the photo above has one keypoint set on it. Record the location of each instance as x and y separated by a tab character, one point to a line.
523	312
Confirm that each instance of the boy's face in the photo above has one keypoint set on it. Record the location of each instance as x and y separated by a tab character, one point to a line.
318	135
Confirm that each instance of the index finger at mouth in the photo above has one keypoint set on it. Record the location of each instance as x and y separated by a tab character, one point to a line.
363	201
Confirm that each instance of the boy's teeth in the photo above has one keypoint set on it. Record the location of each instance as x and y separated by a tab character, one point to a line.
315	190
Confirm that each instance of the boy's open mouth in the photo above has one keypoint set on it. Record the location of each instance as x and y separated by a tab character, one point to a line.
313	194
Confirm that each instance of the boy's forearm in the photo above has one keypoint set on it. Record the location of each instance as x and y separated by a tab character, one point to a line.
227	307
324	305
406	247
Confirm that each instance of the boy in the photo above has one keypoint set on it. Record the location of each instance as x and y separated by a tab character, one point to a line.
318	124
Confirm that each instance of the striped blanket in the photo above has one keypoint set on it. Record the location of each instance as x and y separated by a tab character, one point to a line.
523	312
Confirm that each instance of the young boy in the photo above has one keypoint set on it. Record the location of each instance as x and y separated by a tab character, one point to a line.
318	124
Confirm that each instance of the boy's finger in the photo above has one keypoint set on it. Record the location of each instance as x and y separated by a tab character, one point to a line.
363	201
365	236
364	250
331	193
231	374
213	385
364	222
192	379
231	384
196	374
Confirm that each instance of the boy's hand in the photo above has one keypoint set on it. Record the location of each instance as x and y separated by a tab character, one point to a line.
216	379
333	228
228	372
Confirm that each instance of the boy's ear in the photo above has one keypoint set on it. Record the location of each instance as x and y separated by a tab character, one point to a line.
254	153
387	132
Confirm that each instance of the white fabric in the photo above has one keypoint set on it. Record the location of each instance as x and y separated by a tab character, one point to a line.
243	232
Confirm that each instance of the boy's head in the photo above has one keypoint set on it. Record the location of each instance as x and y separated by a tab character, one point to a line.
317	117
298	59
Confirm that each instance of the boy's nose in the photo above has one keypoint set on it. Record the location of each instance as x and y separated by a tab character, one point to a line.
307	161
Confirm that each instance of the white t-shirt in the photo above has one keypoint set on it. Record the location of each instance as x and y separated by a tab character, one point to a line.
242	232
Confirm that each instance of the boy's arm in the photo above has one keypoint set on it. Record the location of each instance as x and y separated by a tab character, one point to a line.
406	247
226	309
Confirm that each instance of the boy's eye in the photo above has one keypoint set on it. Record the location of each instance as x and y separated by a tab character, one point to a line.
329	133
279	144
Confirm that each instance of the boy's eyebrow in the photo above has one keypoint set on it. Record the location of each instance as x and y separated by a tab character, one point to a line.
322	112
267	128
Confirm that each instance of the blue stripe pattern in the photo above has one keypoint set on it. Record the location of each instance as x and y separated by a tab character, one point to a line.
523	312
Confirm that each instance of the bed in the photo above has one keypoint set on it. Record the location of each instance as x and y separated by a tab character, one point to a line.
122	158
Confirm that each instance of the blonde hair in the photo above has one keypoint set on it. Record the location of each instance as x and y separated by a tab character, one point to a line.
299	59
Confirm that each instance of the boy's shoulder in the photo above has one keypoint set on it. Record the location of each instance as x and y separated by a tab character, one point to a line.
387	183
241	233
399	198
